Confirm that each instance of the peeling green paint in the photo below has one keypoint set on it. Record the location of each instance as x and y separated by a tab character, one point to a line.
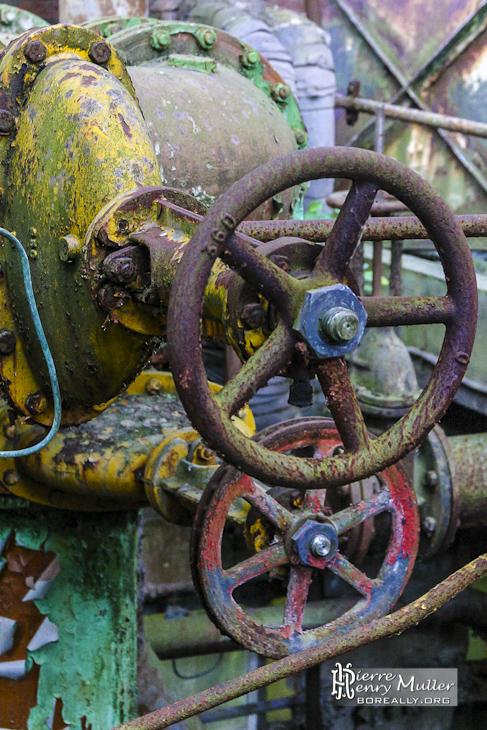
93	603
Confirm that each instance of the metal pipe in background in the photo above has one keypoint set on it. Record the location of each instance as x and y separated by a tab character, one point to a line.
417	116
376	229
469	454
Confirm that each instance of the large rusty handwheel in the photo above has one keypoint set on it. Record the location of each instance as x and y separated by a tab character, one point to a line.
322	313
305	540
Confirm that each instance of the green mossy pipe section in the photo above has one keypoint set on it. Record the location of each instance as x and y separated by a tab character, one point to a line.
93	603
81	140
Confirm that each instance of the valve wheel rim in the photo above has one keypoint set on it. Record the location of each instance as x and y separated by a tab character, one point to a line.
457	310
215	585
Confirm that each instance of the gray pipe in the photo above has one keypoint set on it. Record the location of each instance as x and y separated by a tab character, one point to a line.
299	50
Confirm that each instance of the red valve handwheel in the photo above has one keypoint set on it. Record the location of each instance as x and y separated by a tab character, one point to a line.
293	535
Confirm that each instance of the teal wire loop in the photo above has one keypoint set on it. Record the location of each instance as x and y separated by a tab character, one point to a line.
45	351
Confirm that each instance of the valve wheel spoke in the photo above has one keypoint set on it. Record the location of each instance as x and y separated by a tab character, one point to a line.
343	403
297	593
346	232
263	561
342	567
278	287
397	311
271	356
359	512
269	507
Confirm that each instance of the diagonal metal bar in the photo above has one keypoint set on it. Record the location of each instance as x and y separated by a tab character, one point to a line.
405	88
353	516
261	562
394	623
269	507
348	572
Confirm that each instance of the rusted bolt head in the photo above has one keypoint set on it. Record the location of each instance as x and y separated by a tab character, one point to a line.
250	58
10	477
281	92
36	403
153	386
339	324
9	430
252	316
121	269
8	341
301	137
100	52
430	479
429	526
35	51
6	121
70	248
206	38
160	39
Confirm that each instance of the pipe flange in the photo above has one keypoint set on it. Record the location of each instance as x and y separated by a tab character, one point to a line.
155	42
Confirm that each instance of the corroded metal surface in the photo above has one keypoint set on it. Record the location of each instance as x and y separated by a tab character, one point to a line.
85	102
103	465
216	584
375	229
213	238
214	107
386	626
69	581
469	456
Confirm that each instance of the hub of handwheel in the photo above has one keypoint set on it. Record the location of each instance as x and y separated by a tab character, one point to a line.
332	320
313	543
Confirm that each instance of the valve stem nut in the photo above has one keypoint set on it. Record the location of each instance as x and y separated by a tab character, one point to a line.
250	58
281	92
6	121
153	386
339	324
253	316
429	526
206	38
10	477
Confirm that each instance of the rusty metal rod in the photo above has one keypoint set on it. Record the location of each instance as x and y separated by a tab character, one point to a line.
376	229
417	116
303	660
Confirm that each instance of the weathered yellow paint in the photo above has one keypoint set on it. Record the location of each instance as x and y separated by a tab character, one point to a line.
107	473
57	183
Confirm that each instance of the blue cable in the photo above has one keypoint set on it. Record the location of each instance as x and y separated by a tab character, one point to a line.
45	351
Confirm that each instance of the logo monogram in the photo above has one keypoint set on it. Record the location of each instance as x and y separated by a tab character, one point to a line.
343	680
